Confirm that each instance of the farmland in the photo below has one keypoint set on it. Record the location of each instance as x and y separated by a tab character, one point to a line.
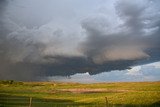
61	94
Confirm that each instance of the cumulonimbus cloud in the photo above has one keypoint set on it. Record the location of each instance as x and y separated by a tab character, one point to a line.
50	44
129	42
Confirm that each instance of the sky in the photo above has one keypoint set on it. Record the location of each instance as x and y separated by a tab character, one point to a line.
100	40
147	72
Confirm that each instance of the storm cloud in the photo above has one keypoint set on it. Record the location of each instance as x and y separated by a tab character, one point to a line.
129	39
43	38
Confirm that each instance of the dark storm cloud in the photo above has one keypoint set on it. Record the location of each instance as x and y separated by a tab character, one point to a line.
36	44
131	42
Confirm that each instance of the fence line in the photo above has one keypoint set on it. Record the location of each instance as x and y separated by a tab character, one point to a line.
30	102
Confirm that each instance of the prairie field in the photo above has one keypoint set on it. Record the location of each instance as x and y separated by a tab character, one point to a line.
62	94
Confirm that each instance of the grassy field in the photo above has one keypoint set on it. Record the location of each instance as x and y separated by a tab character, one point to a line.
54	94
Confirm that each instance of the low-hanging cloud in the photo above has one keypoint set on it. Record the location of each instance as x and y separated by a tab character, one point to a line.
64	41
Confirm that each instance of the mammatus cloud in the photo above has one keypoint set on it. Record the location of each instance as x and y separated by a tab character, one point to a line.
62	40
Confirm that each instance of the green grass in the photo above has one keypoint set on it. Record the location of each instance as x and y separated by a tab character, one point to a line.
56	94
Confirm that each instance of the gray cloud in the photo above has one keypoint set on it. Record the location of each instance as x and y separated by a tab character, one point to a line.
42	38
130	39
